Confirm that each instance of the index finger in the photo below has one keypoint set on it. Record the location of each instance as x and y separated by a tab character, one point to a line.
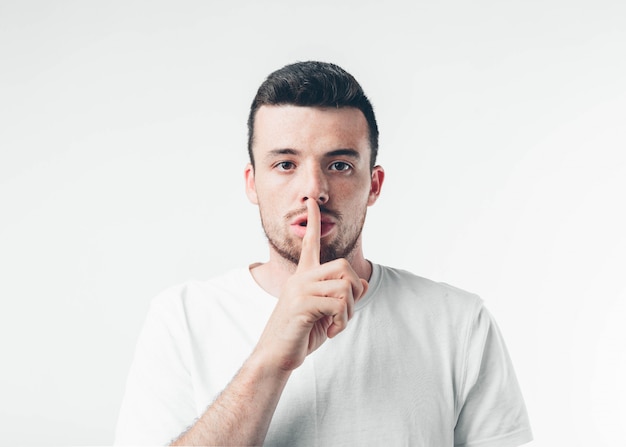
310	254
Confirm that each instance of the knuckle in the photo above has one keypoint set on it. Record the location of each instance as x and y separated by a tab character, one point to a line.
343	263
346	288
342	307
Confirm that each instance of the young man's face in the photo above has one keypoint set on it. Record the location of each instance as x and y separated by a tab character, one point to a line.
322	154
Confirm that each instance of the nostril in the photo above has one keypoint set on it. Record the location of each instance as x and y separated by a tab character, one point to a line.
321	199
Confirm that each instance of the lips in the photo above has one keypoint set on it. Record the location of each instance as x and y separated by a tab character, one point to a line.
302	221
299	225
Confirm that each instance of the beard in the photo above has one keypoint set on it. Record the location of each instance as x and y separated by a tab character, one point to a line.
289	247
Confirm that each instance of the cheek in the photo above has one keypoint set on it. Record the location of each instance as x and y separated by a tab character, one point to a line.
270	206
358	194
269	186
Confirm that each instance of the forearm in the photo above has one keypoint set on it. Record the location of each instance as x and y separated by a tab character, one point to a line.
243	411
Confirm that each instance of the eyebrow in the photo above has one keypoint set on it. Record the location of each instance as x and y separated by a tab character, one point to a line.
352	153
346	152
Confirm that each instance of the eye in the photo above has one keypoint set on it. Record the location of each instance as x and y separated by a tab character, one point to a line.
285	166
340	166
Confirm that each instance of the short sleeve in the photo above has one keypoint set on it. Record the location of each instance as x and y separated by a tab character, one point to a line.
492	410
158	403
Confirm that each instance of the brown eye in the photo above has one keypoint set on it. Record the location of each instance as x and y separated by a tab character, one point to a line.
285	166
340	166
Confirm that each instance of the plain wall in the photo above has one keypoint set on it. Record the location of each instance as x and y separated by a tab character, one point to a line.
123	143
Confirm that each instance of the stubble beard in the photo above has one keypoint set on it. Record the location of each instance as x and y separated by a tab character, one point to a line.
289	247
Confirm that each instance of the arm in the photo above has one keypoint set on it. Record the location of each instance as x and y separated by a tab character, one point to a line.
242	413
492	408
316	303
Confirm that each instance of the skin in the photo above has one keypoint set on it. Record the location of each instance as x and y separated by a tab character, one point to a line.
312	165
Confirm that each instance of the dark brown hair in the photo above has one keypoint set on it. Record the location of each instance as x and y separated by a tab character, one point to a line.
314	84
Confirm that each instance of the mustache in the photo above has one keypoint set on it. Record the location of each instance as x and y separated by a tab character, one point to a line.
323	211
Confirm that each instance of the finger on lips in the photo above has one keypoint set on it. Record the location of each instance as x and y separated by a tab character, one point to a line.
310	254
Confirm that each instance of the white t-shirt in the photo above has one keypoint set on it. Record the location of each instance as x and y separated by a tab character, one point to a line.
420	363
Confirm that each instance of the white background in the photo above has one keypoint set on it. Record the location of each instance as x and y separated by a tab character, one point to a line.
122	147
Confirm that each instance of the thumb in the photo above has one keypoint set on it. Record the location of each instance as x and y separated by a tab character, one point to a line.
366	287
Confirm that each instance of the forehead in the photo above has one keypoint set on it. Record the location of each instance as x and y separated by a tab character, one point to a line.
314	128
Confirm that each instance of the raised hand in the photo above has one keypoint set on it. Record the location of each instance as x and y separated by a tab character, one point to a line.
316	302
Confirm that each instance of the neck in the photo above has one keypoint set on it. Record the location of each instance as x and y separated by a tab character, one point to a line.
272	275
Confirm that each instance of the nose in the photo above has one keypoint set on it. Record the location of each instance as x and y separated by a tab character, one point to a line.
314	185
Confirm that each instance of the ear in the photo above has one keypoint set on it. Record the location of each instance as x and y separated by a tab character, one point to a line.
250	184
378	177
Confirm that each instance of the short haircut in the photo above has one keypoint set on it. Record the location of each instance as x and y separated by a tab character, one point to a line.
314	84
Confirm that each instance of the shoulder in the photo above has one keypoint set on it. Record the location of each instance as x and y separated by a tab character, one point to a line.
402	283
194	292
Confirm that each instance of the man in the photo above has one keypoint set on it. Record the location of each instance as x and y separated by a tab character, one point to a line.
319	346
